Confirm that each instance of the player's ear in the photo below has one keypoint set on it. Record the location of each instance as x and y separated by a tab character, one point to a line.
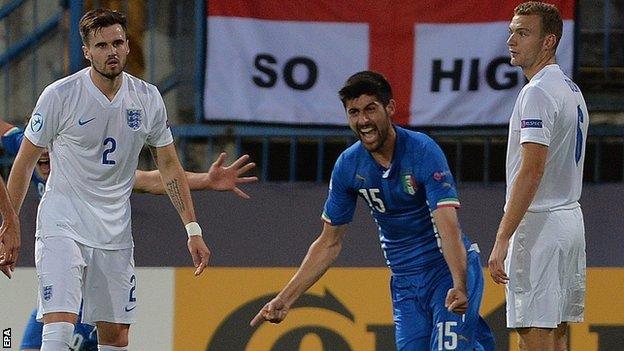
86	53
550	41
391	108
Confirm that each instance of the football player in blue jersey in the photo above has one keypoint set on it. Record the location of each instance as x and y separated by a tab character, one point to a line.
219	177
437	279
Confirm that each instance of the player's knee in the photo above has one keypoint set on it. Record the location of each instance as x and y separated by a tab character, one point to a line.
113	334
57	336
56	317
120	341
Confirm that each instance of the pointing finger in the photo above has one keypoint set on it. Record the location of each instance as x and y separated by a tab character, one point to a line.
258	319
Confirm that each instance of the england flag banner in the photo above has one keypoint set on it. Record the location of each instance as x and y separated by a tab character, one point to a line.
277	61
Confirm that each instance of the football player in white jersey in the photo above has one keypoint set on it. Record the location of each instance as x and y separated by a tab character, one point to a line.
539	252
94	124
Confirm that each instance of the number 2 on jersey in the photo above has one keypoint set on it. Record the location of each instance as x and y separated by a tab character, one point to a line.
108	150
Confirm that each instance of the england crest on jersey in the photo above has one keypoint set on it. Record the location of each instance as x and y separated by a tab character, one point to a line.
133	117
47	292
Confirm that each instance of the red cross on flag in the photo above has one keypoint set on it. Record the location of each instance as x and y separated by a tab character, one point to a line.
281	61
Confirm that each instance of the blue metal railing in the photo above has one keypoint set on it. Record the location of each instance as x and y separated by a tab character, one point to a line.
9	8
34	38
459	139
200	58
75	43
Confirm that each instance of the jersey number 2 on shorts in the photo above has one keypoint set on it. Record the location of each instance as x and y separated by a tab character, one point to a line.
108	149
132	297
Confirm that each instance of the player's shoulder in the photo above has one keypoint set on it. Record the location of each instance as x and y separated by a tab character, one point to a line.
140	87
540	91
551	80
12	139
66	84
351	154
414	139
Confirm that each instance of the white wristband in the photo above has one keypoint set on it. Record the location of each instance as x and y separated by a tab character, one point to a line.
193	229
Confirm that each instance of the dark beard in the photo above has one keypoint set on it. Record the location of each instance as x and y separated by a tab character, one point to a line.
110	76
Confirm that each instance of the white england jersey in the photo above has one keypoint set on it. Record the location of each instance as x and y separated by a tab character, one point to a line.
94	148
550	110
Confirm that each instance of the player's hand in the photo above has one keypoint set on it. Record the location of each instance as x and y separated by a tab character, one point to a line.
199	252
275	311
6	269
496	263
10	238
456	301
225	178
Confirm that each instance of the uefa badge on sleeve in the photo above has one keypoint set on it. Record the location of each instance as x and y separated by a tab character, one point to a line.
133	117
36	123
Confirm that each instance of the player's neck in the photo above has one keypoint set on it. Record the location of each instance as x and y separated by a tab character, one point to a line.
540	63
108	87
383	156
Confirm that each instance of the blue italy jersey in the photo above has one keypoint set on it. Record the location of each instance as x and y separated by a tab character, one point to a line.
11	142
401	198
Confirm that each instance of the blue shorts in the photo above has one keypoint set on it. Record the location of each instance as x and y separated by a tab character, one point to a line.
423	323
84	339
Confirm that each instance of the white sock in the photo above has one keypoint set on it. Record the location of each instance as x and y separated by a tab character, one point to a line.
112	348
56	336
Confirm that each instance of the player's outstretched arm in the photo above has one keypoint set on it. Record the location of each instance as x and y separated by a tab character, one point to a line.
522	193
321	255
455	256
218	177
19	179
175	183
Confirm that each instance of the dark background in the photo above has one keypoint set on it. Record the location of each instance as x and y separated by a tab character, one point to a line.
276	226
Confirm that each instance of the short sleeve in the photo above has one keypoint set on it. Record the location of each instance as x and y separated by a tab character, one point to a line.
341	201
436	176
537	116
160	133
44	122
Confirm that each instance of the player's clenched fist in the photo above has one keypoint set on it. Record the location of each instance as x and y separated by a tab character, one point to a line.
275	311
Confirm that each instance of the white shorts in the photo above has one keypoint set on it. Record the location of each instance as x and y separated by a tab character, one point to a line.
546	267
69	272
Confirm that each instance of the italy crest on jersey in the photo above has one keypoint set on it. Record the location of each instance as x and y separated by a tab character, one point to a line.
133	117
409	184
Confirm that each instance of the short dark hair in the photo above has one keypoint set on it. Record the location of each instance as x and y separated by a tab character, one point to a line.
549	14
97	19
366	83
